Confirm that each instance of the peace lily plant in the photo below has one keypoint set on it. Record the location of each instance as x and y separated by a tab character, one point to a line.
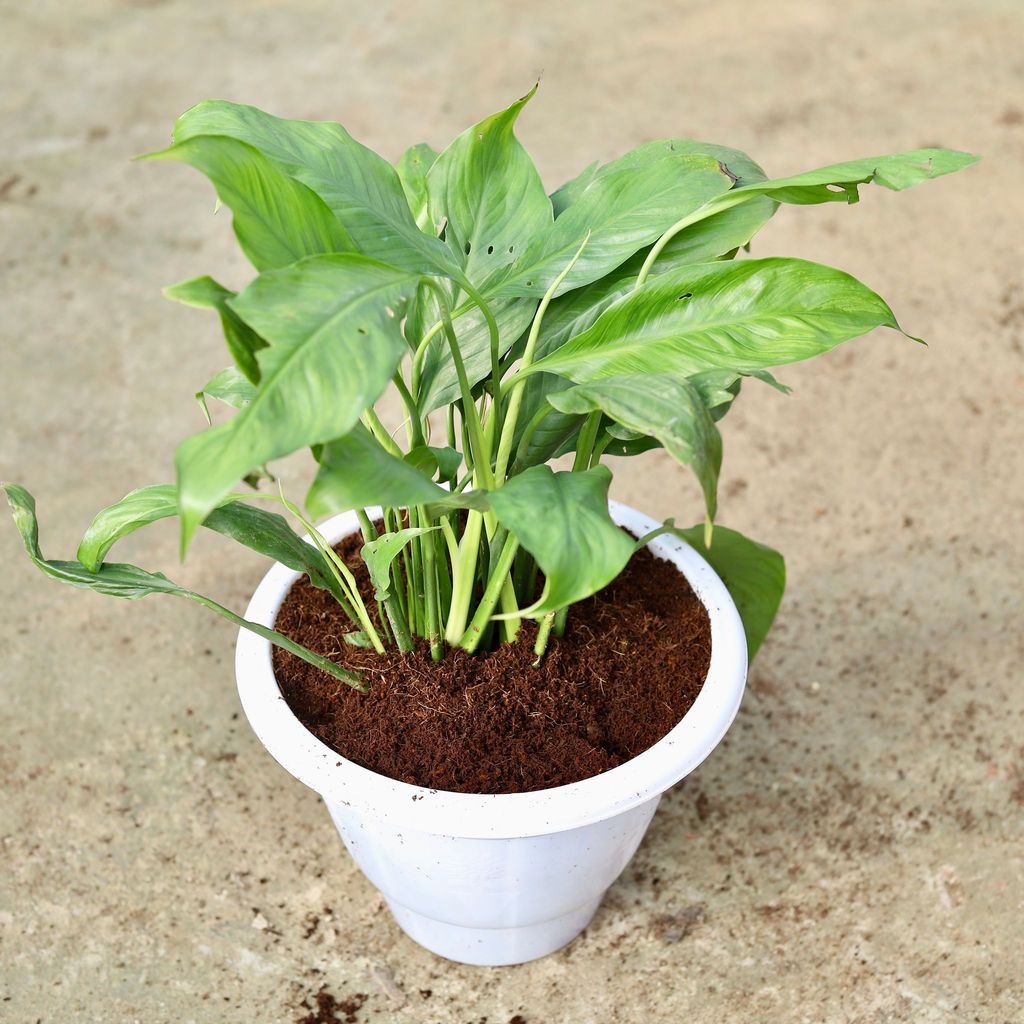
606	319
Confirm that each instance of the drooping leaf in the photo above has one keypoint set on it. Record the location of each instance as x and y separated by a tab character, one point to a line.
356	471
118	579
754	575
230	386
487	195
840	182
380	553
361	188
624	209
242	341
562	520
276	218
412	170
334	343
743	316
658	405
265	532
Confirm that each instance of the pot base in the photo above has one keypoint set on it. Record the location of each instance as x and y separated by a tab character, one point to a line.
493	947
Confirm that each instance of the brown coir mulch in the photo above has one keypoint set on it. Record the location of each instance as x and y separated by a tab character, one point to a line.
628	668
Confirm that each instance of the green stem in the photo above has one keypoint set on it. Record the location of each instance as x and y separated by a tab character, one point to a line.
585	441
463	578
516	396
543	634
471	638
411	412
717	205
481	453
430	586
380	432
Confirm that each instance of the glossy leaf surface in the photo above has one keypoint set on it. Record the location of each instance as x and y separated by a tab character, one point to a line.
562	520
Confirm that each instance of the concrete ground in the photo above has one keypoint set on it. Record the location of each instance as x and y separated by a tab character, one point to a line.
852	852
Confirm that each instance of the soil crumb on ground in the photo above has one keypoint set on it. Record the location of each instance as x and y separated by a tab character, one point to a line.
326	1009
630	665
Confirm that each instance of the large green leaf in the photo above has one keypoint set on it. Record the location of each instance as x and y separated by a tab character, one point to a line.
334	344
743	316
356	471
754	575
243	342
265	532
741	169
412	170
572	313
118	579
486	194
624	208
668	408
562	520
276	218
361	188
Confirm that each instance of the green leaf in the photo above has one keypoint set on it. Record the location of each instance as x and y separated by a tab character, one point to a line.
624	209
563	197
840	182
265	532
412	169
754	575
356	471
562	520
572	313
743	316
380	553
429	460
668	408
486	193
276	218
230	386
243	342
118	579
361	188
334	344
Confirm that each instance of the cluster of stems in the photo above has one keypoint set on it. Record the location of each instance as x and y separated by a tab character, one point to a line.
463	580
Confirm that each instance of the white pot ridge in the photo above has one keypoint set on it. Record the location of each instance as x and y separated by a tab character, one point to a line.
497	879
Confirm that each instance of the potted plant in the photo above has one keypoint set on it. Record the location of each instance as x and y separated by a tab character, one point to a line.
516	328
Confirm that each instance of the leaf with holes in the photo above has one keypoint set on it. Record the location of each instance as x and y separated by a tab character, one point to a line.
360	188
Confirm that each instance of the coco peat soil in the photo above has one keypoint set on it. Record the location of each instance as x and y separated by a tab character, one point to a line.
632	662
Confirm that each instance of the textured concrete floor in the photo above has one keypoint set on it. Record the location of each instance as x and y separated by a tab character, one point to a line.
853	850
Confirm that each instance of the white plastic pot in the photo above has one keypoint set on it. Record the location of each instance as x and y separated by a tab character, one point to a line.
507	878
